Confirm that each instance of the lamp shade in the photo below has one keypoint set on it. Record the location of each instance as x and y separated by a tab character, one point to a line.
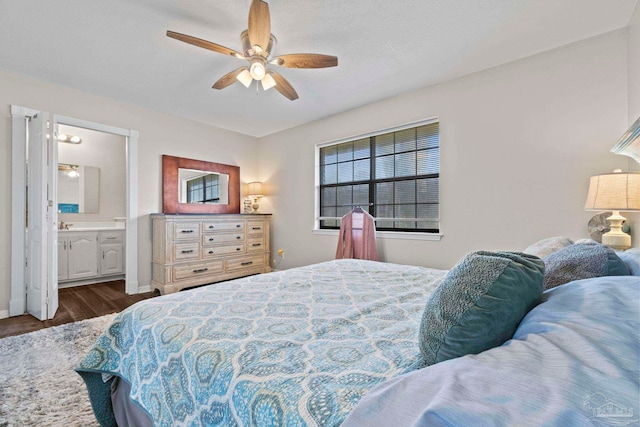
614	192
254	189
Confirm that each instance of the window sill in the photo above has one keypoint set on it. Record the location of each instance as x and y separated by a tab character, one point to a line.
389	235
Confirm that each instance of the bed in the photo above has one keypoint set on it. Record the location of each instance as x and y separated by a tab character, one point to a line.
337	342
573	361
297	347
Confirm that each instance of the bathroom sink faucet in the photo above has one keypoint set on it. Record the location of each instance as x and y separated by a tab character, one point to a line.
63	226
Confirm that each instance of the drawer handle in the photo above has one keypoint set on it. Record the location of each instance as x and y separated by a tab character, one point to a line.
211	227
256	244
200	270
186	231
238	225
111	238
187	252
247	263
210	252
256	228
211	239
238	237
238	249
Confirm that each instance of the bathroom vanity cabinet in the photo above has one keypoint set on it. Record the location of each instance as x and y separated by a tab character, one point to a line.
90	256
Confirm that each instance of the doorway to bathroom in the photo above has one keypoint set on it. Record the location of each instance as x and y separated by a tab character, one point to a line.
38	140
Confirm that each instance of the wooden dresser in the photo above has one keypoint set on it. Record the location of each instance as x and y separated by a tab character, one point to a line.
191	250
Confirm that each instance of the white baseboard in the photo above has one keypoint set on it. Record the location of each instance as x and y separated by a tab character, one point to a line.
143	289
4	314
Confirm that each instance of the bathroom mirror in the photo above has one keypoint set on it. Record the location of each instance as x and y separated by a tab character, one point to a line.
78	188
196	186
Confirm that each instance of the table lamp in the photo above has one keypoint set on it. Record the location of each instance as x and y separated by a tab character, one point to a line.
254	190
617	191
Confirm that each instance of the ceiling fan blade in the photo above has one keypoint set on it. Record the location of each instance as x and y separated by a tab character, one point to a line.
204	44
259	24
283	86
305	60
228	79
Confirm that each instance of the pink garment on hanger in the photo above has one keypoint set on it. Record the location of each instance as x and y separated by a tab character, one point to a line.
357	237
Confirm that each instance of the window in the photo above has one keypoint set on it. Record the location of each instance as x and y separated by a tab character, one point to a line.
203	189
394	176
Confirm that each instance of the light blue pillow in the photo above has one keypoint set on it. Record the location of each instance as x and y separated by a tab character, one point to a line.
631	258
479	304
582	261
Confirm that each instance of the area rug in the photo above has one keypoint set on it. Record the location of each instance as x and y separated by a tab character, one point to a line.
38	386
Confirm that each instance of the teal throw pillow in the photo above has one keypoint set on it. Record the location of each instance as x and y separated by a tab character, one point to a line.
479	304
582	261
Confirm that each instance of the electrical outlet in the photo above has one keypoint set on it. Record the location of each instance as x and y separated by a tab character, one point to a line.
281	253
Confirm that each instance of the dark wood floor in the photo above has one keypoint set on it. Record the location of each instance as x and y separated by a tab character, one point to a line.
77	303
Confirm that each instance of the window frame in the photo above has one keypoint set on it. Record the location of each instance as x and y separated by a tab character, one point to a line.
204	187
421	234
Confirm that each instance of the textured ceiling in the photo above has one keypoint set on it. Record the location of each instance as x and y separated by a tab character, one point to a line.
118	49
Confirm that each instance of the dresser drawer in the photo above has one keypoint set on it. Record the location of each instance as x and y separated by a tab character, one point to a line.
246	262
214	238
186	230
197	270
186	251
255	227
213	251
222	226
255	245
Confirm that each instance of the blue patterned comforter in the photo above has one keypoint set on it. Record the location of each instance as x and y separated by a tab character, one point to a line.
293	348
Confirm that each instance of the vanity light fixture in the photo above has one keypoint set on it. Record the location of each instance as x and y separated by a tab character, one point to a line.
70	139
71	170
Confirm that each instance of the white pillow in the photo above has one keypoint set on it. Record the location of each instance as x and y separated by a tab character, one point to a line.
546	247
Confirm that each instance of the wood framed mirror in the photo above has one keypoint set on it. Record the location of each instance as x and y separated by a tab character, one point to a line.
196	186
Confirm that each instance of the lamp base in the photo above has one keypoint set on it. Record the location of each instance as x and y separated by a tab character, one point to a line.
616	238
255	206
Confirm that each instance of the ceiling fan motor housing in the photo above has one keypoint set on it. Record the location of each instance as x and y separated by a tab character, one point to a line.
247	48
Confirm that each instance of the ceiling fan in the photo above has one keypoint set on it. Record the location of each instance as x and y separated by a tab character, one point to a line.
257	46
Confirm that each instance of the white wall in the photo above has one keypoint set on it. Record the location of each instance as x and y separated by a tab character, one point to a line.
634	65
106	152
634	103
518	145
159	134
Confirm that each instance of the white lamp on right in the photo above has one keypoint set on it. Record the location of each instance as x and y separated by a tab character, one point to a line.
617	191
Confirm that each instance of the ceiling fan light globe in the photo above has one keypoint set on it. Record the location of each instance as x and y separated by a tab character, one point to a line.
245	78
257	70
267	82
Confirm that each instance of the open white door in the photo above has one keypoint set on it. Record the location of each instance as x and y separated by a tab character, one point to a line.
37	218
52	219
